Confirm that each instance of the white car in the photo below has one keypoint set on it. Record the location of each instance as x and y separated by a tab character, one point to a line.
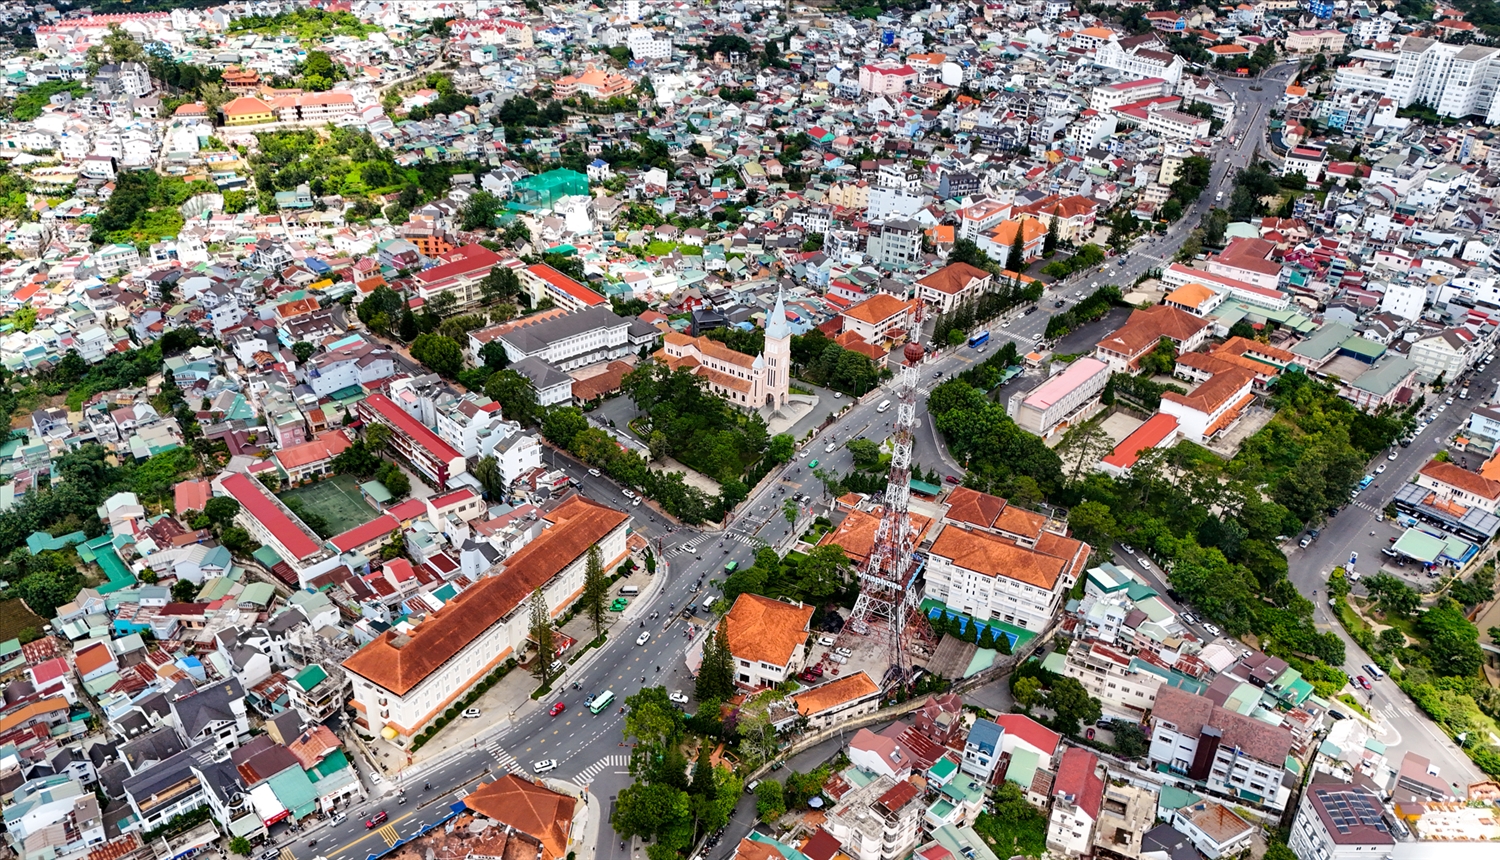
544	765
471	713
1391	456
594	473
678	698
1187	618
843	652
1129	550
643	638
1379	469
1211	628
1144	563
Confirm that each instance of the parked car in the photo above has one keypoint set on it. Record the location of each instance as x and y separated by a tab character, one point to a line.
845	652
544	765
594	473
950	479
678	698
471	713
618	604
1379	469
1212	629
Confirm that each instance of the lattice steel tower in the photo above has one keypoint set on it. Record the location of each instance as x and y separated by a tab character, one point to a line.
888	601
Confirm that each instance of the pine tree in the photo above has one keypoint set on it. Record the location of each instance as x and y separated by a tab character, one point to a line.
1017	259
541	633
1049	244
595	589
716	674
703	773
1002	642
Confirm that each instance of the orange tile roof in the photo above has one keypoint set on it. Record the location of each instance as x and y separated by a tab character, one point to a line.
766	631
834	693
953	277
1461	478
246	106
1190	295
26	713
1214	391
1145	328
324	447
878	308
971	506
1005	232
856	534
991	555
709	347
537	811
92	658
399	662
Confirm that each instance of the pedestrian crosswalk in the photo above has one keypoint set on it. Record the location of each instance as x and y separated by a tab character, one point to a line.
1394	709
700	547
1366	506
506	761
389	834
616	760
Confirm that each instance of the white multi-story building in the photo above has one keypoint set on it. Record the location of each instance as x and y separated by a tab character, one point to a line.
1077	795
767	638
1124	687
987	576
1455	80
348	366
410	674
567	342
645	44
1065	399
1444	354
877	821
1228	752
1141	62
1340	821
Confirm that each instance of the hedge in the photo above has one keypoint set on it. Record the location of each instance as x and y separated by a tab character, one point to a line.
449	715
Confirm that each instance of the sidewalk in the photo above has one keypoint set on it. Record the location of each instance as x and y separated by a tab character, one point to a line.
588	818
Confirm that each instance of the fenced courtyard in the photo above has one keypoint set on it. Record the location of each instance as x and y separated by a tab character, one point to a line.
337	500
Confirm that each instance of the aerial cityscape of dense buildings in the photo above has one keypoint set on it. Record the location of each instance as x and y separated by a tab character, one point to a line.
953	430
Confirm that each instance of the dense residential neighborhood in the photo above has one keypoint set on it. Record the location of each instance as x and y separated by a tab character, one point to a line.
962	431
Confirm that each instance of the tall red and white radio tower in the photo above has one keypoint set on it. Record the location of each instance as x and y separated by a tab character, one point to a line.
889	601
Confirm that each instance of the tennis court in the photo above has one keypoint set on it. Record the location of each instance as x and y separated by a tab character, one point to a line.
336	500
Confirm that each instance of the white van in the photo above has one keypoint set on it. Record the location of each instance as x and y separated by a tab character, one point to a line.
630	591
884	405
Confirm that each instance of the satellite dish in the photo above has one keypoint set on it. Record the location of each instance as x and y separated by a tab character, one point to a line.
834	76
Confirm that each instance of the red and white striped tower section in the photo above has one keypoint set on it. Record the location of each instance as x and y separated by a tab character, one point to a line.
888	603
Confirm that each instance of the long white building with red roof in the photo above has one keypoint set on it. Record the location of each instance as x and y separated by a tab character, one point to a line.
415	441
275	526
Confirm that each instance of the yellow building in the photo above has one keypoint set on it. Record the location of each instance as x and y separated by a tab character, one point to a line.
248	110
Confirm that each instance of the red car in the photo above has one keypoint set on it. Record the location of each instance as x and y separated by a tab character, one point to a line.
950	479
377	818
557	708
811	673
1363	681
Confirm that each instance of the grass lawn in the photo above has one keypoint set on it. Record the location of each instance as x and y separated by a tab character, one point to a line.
1015	828
1349	700
336	500
16	619
661	248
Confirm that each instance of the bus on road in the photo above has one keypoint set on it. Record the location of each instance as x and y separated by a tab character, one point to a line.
979	340
602	701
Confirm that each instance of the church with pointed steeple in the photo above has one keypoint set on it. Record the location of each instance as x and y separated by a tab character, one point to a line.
760	382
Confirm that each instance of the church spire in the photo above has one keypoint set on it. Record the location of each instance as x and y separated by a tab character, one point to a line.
776	327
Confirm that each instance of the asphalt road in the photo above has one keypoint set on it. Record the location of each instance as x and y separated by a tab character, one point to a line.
587	747
1357	528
